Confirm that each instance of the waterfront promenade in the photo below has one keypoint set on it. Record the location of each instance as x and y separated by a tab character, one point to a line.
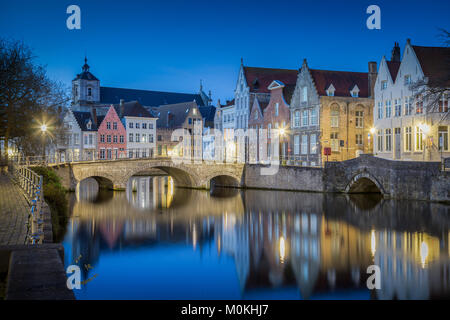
14	212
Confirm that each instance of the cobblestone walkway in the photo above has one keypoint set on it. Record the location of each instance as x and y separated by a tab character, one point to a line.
14	212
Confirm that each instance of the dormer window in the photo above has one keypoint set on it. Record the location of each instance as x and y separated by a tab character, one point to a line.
355	92
383	85
330	90
194	111
89	125
256	115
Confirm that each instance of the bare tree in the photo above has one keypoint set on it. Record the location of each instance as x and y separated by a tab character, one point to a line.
28	98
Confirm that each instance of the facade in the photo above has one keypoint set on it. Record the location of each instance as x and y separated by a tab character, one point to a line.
140	127
254	82
179	130
408	125
79	140
225	122
258	150
111	136
331	109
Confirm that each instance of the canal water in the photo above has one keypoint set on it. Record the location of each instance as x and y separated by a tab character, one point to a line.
153	241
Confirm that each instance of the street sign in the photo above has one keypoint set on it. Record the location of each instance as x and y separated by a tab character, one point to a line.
327	151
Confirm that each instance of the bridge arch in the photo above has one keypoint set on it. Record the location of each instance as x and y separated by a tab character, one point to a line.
364	182
223	180
104	182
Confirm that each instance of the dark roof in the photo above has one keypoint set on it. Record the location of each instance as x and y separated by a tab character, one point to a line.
288	91
258	79
262	104
82	118
208	113
85	75
146	97
343	82
227	104
435	63
100	120
172	115
132	109
393	67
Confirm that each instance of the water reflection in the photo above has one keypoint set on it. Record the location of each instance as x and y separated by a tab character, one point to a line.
155	242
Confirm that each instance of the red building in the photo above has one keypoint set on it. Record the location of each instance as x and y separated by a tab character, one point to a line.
111	137
275	115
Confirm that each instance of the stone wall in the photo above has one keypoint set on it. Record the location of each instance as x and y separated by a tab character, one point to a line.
287	178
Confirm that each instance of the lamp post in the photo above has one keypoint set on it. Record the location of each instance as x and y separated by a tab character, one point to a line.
44	131
372	137
281	133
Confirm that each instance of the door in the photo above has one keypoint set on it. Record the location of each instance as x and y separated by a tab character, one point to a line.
397	143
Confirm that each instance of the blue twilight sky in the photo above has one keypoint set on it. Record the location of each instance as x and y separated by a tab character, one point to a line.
170	45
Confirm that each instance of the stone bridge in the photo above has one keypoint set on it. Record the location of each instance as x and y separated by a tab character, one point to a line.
115	174
365	174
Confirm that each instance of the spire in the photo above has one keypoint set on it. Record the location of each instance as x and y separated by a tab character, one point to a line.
201	86
86	66
242	61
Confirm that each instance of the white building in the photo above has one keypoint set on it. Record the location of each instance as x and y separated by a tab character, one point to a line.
140	126
408	123
80	138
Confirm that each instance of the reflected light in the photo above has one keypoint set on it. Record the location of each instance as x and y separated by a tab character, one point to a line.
282	249
44	128
423	253
372	130
373	242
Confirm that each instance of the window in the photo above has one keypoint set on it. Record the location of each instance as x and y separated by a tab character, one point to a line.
138	139
408	106
277	105
398	107
359	140
297	144
256	115
359	119
443	138
334	142
407	79
102	138
443	103
408	139
130	137
102	153
115	139
383	85
269	127
89	92
159	138
150	138
355	94
334	119
312	144
144	137
115	125
304	144
109	153
137	125
144	126
305	118
130	125
380	140
388	140
380	110
313	117
304	94
91	139
130	154
121	139
297	119
419	139
108	138
85	139
190	120
76	138
419	105
388	108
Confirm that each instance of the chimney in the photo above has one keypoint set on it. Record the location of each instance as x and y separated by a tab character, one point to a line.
395	53
94	116
122	108
372	77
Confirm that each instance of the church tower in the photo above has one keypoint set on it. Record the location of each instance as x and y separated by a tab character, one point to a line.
85	88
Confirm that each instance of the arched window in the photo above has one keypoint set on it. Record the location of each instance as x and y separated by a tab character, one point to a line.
89	92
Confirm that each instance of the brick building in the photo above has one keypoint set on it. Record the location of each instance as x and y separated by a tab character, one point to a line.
111	136
331	109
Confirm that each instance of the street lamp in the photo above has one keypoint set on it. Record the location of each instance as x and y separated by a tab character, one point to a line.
372	132
44	131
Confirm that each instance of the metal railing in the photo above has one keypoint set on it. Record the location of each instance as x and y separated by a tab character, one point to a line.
32	185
